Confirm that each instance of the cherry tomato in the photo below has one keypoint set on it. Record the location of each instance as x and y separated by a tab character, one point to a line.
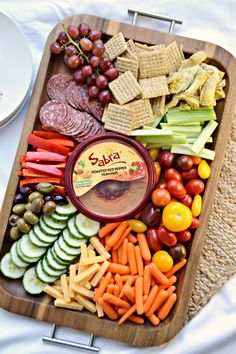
178	252
197	205
154	153
137	225
166	236
195	186
166	158
176	217
152	239
204	170
196	160
183	236
160	197
191	174
162	185
172	173
151	215
157	170
176	189
184	163
163	261
187	200
194	224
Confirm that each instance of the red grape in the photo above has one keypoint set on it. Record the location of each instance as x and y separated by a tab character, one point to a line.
62	37
73	31
105	96
73	62
98	50
98	42
84	30
78	76
91	80
70	50
101	82
94	61
55	48
111	74
93	91
95	34
87	71
105	63
86	44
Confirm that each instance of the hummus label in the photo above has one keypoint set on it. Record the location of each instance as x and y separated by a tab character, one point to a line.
106	161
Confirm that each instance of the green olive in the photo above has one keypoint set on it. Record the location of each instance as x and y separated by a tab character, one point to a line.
37	205
13	219
19	209
49	208
31	218
28	206
45	187
15	233
23	226
34	195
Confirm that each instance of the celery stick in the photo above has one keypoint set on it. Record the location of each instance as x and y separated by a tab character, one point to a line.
204	136
194	124
151	132
182	128
185	149
175	116
147	127
157	120
192	140
163	140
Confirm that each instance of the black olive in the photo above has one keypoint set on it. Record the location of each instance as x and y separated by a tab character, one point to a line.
59	199
26	190
47	198
19	198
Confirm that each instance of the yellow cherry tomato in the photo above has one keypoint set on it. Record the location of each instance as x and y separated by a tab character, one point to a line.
163	261
137	225
196	207
176	217
154	153
204	170
157	170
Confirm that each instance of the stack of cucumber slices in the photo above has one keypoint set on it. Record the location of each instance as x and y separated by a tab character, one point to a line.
51	245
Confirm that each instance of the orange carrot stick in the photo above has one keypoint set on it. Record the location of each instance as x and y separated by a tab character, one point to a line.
118	269
119	282
146	280
139	295
144	248
131	258
123	237
119	253
108	309
158	301
105	230
139	260
154	319
160	277
114	256
117	233
133	318
112	299
171	289
110	288
124	278
151	297
129	293
124	257
127	314
130	280
112	281
116	290
102	287
165	309
132	238
176	267
172	280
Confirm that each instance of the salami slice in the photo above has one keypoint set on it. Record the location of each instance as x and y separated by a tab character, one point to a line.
81	97
57	85
52	113
96	108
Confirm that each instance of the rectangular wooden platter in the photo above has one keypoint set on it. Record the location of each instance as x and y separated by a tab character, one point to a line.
12	295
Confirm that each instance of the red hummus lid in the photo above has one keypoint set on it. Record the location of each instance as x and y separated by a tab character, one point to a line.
110	177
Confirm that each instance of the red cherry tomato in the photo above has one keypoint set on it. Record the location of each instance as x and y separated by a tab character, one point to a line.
194	223
167	237
153	241
184	163
160	197
187	200
162	185
191	174
183	236
172	173
151	215
195	186
176	189
166	158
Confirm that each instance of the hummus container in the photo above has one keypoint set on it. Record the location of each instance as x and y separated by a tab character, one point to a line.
110	177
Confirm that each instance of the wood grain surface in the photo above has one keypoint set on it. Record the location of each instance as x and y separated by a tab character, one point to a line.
12	295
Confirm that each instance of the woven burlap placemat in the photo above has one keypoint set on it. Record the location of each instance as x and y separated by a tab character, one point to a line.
218	261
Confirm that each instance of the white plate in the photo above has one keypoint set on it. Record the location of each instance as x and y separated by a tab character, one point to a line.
15	68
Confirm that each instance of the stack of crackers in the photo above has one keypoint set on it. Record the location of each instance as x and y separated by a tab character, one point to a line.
141	88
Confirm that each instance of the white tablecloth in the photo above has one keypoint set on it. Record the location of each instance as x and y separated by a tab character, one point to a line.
213	330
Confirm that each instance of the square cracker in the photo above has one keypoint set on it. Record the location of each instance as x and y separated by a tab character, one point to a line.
125	88
119	119
158	105
144	47
124	64
174	57
131	46
154	87
142	112
130	55
153	63
116	46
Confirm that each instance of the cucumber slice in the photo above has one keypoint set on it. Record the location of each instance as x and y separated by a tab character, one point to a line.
57	259
50	271
71	240
52	262
31	283
36	241
29	249
25	257
65	210
43	236
20	254
9	269
58	217
61	254
54	224
47	230
15	258
68	249
44	277
86	226
73	230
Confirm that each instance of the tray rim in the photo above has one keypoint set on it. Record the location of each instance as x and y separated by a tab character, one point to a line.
8	300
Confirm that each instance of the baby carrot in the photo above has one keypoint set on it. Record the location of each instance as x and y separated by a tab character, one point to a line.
158	301
127	314
124	257
144	248
119	253
119	281
110	288
165	309
176	267
108	309
114	256
133	318
139	260
160	277
154	319
116	290
130	280
146	280
123	237
112	281
102	287
107	229
171	281
112	299
117	233
131	258
124	278
151	297
139	295
132	238
118	269
171	289
129	293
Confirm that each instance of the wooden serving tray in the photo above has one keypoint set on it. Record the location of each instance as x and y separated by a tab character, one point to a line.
12	295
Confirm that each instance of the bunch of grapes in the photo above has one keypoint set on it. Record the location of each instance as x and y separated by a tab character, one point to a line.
84	50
